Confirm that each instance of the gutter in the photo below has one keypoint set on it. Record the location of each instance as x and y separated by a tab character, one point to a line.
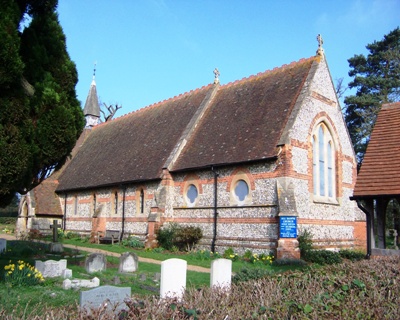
65	213
123	212
214	239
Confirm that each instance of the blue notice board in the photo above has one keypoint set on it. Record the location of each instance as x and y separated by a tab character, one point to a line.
288	227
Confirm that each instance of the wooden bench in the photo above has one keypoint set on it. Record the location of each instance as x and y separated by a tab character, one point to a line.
111	236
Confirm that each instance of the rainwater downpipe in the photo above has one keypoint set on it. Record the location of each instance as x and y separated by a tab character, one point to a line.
214	239
65	213
369	223
123	212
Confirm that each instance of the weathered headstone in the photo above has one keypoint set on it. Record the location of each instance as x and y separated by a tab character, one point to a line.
80	283
51	268
221	273
3	245
128	262
157	277
96	262
55	246
105	295
67	274
173	278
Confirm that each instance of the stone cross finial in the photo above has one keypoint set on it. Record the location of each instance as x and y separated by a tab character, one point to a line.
94	70
216	74
320	50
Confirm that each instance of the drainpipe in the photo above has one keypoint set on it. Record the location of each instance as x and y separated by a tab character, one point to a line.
65	212
215	209
368	216
123	212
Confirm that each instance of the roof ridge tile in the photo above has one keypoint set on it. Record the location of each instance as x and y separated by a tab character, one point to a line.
155	104
267	72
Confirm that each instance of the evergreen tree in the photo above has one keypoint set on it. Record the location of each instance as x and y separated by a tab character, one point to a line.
40	116
377	80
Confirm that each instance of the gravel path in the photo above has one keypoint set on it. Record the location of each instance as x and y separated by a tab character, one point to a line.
113	254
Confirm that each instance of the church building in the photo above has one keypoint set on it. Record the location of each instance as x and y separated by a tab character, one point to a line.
253	163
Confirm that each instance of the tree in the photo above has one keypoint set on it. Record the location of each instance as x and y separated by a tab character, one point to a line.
377	80
40	116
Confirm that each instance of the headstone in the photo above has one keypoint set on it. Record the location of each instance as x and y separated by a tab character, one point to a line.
55	227
157	277
55	246
95	262
116	280
173	278
142	277
105	295
67	274
51	268
221	273
3	245
80	283
128	262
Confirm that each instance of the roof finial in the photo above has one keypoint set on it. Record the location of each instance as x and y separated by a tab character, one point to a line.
216	74
320	50
94	70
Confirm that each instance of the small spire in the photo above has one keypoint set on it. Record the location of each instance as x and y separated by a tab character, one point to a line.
320	50
216	75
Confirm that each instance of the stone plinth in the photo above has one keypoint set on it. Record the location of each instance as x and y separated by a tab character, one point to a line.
288	249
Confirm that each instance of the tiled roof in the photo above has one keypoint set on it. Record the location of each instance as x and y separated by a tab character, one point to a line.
246	118
133	147
380	171
243	121
46	201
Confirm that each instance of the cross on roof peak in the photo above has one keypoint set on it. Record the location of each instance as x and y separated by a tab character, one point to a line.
216	74
320	50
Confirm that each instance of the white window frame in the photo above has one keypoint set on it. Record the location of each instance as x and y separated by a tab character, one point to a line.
324	165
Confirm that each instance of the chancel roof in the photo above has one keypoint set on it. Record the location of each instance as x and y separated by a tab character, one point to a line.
215	125
380	171
246	118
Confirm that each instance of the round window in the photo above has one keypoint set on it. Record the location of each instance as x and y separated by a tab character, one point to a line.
241	190
192	193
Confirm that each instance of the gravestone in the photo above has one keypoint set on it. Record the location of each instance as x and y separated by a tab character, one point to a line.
173	278
221	273
80	283
3	245
51	268
128	262
105	295
96	262
67	274
55	246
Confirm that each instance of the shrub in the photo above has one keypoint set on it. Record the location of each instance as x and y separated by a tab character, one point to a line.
187	237
289	262
133	242
22	274
305	242
352	255
246	274
166	236
175	237
323	257
230	254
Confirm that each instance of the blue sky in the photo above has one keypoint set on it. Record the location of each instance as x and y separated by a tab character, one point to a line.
150	50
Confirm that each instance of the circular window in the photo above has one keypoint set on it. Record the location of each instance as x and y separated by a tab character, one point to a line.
241	190
192	194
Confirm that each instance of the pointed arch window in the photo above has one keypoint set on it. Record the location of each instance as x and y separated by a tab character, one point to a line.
116	202
324	183
141	201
